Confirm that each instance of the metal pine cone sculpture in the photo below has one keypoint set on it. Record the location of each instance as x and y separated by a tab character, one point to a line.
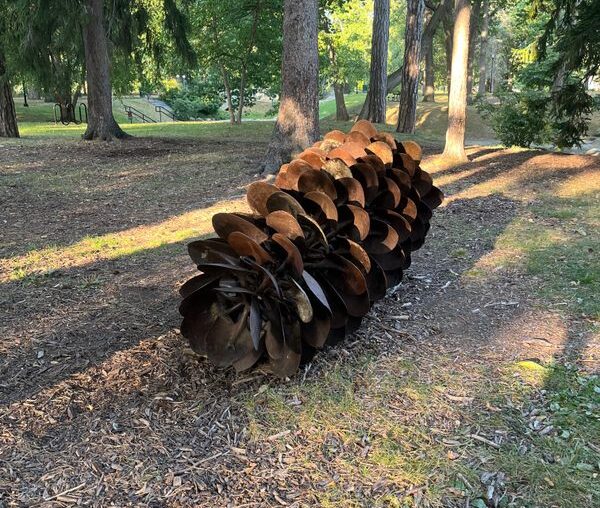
335	230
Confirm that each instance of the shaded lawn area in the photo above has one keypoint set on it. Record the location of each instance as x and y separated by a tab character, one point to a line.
475	384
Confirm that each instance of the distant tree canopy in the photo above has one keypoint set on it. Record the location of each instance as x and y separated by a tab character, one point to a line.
536	56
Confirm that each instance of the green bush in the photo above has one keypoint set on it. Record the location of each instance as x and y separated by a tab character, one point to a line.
198	100
519	118
538	116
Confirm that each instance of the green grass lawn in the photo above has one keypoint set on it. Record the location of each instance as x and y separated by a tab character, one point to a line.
37	120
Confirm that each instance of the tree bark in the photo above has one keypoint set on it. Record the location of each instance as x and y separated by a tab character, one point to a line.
375	102
245	62
407	109
457	100
427	48
8	115
341	113
101	122
297	125
472	38
448	31
228	95
429	91
483	48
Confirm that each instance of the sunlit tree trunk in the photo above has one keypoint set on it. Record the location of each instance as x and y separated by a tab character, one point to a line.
374	108
472	39
101	123
297	123
483	47
407	109
8	116
457	103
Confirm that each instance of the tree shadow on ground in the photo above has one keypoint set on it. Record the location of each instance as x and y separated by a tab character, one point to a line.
57	194
124	393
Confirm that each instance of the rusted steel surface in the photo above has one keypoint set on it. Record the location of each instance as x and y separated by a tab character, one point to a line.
327	239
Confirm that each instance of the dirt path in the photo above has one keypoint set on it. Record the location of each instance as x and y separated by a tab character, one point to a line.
100	402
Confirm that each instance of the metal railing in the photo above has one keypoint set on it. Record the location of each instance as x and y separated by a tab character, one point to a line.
161	110
136	113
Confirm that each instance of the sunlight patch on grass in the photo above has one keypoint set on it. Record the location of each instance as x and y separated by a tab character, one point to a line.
114	245
391	430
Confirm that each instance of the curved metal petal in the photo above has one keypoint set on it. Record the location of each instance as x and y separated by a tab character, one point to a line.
398	222
402	180
350	191
288	175
406	163
315	160
359	138
317	181
336	135
283	201
375	162
226	223
354	218
367	177
257	195
342	154
433	198
422	181
286	224
382	238
383	151
389	194
243	245
354	149
366	127
293	256
386	137
324	203
413	149
211	250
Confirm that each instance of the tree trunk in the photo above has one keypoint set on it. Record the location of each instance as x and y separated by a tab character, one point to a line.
457	100
427	47
8	115
297	125
448	31
472	37
429	92
245	63
101	122
375	101
341	113
407	109
228	95
483	48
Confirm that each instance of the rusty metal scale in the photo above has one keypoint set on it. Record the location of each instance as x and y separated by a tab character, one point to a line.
332	234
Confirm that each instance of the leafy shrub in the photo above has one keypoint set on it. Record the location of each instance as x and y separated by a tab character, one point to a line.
518	118
534	117
197	100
